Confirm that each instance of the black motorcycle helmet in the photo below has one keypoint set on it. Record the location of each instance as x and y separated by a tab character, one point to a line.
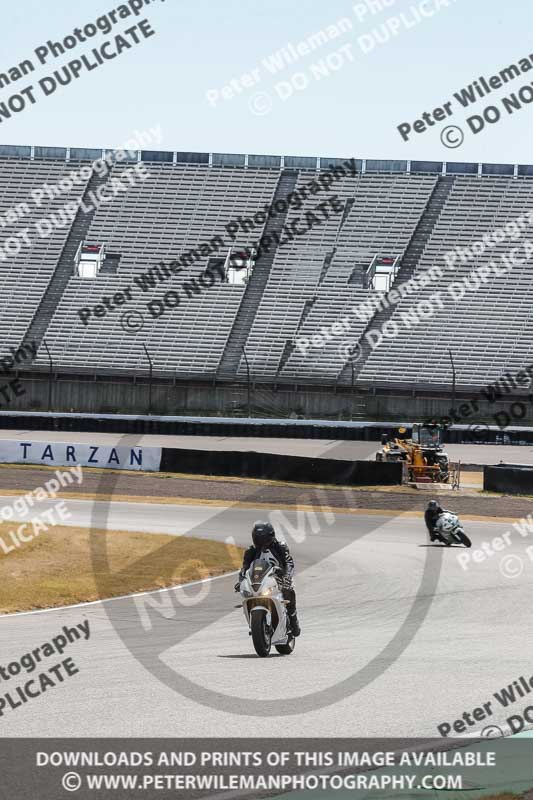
263	535
433	505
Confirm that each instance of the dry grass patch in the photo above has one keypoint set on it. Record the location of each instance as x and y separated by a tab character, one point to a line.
69	565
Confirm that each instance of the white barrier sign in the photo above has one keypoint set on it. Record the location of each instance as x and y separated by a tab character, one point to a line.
62	454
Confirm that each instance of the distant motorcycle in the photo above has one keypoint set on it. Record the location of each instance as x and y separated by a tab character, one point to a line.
265	609
451	531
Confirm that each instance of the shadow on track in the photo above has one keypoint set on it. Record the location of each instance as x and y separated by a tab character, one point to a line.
251	655
445	546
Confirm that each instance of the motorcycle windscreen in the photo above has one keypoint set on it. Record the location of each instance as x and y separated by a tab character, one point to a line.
447	522
258	570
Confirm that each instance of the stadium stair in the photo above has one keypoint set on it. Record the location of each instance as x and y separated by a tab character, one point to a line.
251	299
328	258
409	264
65	266
289	346
111	264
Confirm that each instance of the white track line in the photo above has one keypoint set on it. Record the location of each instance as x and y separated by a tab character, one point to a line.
120	597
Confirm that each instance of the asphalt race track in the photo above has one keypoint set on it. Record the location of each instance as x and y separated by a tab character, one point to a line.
312	448
422	656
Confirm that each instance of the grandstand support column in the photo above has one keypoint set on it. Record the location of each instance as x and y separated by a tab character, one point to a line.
50	374
353	389
150	379
453	380
248	385
230	362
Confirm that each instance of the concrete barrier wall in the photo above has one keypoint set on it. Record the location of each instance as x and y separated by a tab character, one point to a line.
508	478
110	395
126	397
193	426
234	426
281	467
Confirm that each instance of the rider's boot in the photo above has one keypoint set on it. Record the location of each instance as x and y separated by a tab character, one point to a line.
295	625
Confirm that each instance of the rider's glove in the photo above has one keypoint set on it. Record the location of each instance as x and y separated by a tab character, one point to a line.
237	587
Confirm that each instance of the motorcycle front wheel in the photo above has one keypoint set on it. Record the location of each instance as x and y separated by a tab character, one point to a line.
463	538
261	635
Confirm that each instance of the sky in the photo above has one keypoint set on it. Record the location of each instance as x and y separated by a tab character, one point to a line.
364	69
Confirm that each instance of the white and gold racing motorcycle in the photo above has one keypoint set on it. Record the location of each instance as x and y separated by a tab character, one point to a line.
265	609
450	530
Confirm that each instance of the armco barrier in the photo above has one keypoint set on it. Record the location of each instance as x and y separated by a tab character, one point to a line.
281	467
508	478
196	426
227	426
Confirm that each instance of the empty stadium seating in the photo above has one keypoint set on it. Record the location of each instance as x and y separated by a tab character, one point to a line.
173	211
382	218
303	288
24	277
489	330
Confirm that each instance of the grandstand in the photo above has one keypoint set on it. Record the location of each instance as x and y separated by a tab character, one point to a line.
406	213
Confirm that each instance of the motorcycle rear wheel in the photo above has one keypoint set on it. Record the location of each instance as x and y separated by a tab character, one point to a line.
261	636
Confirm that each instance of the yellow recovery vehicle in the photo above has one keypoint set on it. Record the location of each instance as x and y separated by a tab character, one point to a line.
423	454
